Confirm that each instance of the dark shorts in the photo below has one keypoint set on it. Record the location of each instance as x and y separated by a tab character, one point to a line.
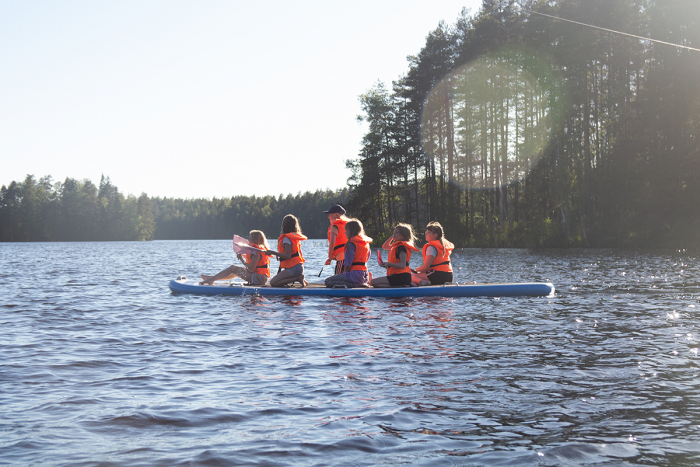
399	279
440	277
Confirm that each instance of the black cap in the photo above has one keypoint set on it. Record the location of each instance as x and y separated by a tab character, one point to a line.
336	208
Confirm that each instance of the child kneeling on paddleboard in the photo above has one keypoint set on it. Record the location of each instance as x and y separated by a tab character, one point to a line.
257	263
400	246
289	254
436	268
357	254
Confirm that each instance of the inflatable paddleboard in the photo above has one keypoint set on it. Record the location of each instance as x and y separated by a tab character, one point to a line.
532	289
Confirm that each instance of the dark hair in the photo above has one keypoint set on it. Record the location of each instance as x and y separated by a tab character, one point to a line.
436	228
407	232
354	227
290	224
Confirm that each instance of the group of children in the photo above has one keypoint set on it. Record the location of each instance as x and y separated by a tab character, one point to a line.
349	246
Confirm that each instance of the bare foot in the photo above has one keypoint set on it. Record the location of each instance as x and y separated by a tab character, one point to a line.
302	281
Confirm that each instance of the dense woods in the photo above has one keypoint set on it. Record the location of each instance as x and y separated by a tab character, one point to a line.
42	210
515	129
80	211
508	127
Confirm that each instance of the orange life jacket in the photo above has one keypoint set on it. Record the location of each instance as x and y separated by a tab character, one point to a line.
263	266
394	257
442	261
297	257
362	252
340	238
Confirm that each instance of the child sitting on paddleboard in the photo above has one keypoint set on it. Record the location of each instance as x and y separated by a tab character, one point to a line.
436	268
289	254
257	264
357	254
336	236
400	246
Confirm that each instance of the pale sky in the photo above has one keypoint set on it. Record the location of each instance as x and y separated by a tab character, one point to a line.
198	99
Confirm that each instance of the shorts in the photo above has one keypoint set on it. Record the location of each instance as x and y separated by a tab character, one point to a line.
440	277
296	270
396	280
258	279
250	277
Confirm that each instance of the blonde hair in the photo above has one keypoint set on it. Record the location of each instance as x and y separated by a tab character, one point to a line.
258	237
406	231
290	224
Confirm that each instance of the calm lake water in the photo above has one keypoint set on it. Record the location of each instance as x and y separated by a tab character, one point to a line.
101	365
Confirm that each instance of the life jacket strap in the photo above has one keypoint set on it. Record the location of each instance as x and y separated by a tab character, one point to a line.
294	255
359	263
338	246
439	264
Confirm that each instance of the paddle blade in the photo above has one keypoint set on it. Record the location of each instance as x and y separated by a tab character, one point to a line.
243	246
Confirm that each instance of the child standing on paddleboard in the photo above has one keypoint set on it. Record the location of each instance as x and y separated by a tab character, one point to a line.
289	254
436	268
400	246
257	264
357	254
336	236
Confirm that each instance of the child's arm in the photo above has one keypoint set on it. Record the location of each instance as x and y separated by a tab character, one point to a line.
331	242
388	242
255	257
400	265
286	255
426	263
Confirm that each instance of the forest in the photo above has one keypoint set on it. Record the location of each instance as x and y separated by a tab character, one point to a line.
510	127
77	210
515	129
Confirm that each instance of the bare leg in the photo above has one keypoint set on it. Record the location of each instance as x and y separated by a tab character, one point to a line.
420	279
284	278
382	281
228	273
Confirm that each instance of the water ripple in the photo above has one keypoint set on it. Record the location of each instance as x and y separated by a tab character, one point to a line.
102	365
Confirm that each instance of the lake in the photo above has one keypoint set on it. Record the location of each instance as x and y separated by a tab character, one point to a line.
101	365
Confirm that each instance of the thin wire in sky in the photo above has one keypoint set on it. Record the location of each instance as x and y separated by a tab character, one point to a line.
613	31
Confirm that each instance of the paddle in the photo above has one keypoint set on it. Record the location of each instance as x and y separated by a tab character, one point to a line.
241	245
379	258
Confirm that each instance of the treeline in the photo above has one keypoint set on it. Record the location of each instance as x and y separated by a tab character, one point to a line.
77	210
516	129
510	128
221	218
